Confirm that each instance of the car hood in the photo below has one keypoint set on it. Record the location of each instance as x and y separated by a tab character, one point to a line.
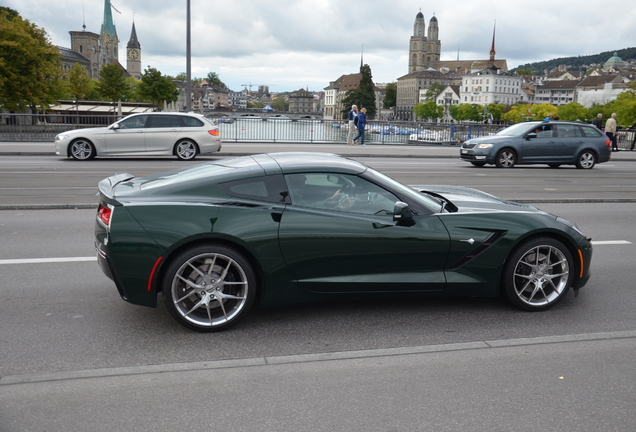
472	200
493	139
91	131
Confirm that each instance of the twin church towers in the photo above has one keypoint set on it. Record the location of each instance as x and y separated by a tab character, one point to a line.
424	51
103	48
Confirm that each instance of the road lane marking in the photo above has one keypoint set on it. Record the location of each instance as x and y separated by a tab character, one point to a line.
47	260
610	242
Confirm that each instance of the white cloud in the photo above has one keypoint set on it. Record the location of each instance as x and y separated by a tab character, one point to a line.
299	43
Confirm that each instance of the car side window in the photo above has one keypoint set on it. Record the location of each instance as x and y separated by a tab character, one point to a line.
545	132
339	192
162	121
568	131
266	188
133	122
589	131
190	121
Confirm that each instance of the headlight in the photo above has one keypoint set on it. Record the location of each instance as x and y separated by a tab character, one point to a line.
61	137
484	146
570	224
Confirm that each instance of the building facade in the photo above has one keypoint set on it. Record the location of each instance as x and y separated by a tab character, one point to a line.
491	85
301	101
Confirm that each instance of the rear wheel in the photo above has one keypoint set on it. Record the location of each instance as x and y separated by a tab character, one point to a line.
506	158
478	164
82	149
538	274
209	288
586	160
186	149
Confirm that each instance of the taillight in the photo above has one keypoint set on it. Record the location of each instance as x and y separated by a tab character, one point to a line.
214	132
104	214
608	143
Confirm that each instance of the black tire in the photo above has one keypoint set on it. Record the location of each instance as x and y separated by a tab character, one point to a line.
186	149
209	288
553	165
506	158
586	160
82	149
538	274
478	164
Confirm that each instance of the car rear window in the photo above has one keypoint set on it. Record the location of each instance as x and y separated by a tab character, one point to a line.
591	131
160	121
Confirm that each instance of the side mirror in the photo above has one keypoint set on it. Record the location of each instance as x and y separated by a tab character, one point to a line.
531	135
115	126
402	214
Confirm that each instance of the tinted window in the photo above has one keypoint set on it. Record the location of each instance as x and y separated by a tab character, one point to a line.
545	131
590	131
339	192
267	188
162	121
568	131
190	121
133	122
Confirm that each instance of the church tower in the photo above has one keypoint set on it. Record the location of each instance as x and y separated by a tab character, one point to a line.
424	51
133	55
108	38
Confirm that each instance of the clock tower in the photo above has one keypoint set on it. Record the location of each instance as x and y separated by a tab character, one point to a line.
133	55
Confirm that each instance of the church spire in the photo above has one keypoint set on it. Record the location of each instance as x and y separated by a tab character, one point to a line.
133	42
492	48
108	26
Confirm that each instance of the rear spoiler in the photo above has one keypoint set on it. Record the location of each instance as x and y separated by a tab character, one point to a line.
107	185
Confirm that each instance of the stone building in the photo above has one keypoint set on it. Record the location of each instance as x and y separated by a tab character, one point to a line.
301	101
424	50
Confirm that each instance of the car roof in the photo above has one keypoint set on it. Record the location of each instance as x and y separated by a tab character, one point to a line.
294	162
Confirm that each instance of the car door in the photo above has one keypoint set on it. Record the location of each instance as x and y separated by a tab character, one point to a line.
567	142
349	242
161	133
535	150
127	137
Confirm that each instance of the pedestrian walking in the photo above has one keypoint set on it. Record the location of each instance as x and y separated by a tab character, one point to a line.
598	121
362	121
633	129
610	131
353	120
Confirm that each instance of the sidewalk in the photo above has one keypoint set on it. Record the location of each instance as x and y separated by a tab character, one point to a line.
245	148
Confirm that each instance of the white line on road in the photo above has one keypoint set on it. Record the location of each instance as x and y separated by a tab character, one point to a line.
47	260
611	242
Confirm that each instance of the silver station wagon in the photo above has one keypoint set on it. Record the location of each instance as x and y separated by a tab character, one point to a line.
184	135
553	143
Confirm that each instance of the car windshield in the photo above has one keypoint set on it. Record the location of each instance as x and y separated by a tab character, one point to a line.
405	190
518	130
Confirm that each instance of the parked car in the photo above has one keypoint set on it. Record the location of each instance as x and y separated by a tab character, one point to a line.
149	134
292	227
552	143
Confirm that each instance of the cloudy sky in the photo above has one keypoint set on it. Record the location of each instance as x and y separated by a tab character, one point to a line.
292	44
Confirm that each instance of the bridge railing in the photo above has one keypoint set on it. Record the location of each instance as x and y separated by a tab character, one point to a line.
44	127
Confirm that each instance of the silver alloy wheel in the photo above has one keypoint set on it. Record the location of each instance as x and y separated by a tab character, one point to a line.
505	159
541	275
186	150
209	290
586	160
82	149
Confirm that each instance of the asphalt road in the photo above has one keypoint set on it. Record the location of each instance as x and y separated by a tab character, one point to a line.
74	356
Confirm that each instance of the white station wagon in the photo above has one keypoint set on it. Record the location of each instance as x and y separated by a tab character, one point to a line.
184	135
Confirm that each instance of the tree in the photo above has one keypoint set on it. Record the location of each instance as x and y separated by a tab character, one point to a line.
30	72
496	110
434	90
112	84
573	111
467	112
78	83
213	79
524	71
428	110
157	88
363	96
390	96
280	104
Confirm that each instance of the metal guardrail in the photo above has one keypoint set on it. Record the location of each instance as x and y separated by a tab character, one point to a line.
44	127
625	139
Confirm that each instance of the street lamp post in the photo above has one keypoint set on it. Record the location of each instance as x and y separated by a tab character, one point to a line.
188	63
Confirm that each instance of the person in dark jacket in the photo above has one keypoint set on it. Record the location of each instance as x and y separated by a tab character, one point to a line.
598	121
362	121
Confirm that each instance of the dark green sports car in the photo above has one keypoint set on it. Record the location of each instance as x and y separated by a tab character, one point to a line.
290	227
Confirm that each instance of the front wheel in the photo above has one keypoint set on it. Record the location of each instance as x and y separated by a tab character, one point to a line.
586	160
538	274
82	149
186	150
506	158
209	288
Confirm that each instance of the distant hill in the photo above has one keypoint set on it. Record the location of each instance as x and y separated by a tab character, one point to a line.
580	63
